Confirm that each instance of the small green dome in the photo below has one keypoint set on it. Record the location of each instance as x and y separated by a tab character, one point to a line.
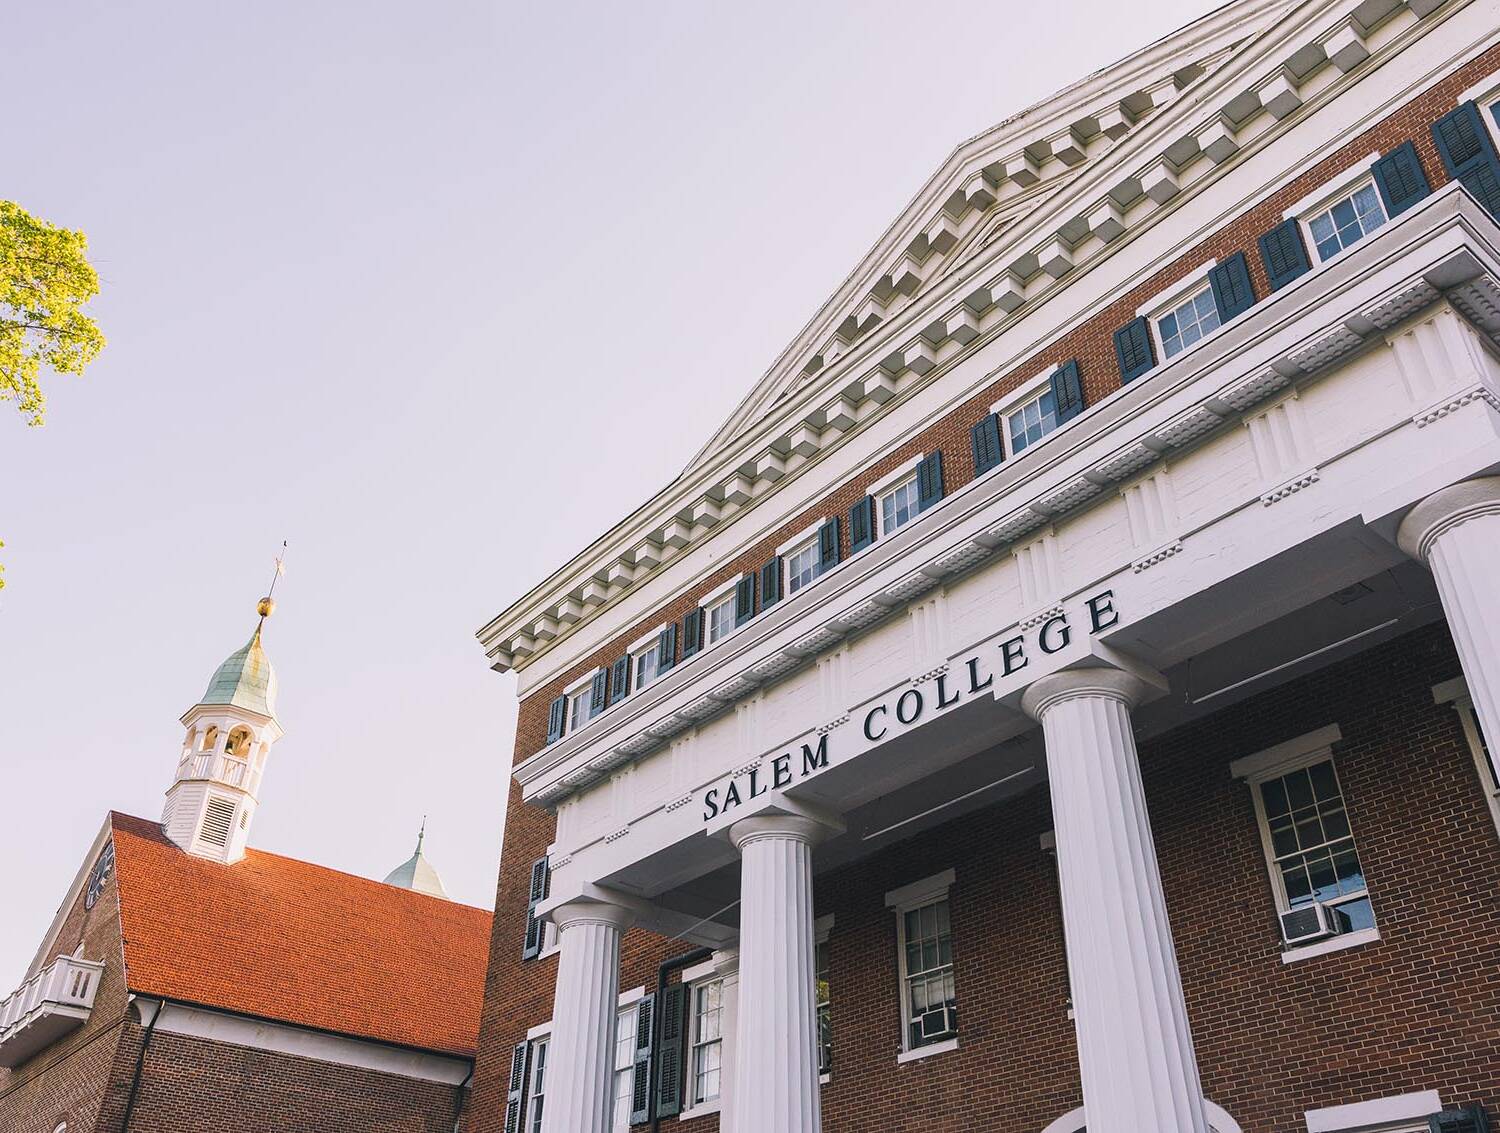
245	680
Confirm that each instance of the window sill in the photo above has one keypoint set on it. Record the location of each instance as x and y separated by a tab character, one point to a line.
927	1051
1332	944
702	1109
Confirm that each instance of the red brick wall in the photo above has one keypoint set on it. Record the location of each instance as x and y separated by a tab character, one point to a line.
65	1082
1092	344
1413	1011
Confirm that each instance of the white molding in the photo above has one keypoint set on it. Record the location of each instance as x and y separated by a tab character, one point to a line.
1332	944
284	1038
1170	296
1454	690
801	539
919	893
1340	183
632	997
927	1051
1022	394
891	479
1219	1120
701	973
645	641
717	595
702	1109
1486	87
1273	760
1374	1113
582	682
540	1031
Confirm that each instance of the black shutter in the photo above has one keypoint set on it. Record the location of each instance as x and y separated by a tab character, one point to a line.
862	524
670	1052
640	1099
666	648
828	545
557	719
619	680
1399	177
988	451
1468	154
692	632
515	1095
1067	391
770	583
541	880
596	698
1234	294
930	480
1469	1119
1133	349
744	599
1284	254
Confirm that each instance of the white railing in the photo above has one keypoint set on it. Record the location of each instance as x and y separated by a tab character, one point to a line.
51	1003
214	765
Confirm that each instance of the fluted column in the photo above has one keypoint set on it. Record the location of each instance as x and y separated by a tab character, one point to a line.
1135	1051
580	1055
1456	532
776	1041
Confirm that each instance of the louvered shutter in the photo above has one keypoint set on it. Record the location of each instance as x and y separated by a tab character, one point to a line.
670	1051
640	1099
744	599
541	882
1284	254
619	680
828	545
1234	294
596	699
515	1096
1067	391
1468	154
985	436
557	719
666	648
1133	349
1399	177
692	632
862	524
1469	1119
930	480
770	583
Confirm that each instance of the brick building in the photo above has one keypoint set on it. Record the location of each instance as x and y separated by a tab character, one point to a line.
1056	696
191	983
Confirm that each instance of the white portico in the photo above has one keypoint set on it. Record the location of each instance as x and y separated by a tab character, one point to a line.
1264	505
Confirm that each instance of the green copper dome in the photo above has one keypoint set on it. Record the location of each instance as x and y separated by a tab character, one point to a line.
245	680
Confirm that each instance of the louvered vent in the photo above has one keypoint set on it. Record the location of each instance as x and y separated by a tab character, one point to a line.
216	822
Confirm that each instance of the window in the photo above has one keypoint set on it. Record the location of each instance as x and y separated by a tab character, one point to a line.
625	1025
1347	221
721	618
1031	421
898	505
1187	322
801	566
581	706
929	1004
707	1045
824	998
647	663
1486	765
533	1123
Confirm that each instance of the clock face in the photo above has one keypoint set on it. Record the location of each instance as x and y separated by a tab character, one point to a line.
100	877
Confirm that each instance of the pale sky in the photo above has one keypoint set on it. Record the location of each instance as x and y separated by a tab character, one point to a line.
434	292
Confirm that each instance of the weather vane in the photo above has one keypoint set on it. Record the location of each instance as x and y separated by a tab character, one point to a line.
267	604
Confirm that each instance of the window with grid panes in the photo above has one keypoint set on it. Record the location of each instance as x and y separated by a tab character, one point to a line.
1187	322
707	1040
1030	422
647	665
581	707
801	567
1347	221
898	506
929	1003
538	1086
1312	845
720	619
825	1009
624	1085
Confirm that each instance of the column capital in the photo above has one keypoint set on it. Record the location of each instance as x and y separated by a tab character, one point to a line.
1444	510
1109	683
572	913
797	827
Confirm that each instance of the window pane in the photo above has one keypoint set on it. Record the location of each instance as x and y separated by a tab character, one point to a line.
1355	915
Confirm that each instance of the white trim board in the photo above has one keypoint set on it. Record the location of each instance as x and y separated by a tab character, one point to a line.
1373	1114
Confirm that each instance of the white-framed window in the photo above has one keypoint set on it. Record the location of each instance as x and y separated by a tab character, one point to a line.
1485	94
718	613
801	566
1187	321
1028	414
823	994
897	506
645	659
705	1042
1486	759
1346	220
581	707
538	1086
624	1083
1311	854
924	939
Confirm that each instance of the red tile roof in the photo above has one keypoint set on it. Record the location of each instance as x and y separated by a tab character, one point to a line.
287	940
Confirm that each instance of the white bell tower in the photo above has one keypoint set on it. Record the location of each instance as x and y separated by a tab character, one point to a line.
212	799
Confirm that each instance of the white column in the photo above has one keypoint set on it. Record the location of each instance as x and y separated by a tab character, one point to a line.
727	967
1456	532
776	1042
581	1053
1134	1047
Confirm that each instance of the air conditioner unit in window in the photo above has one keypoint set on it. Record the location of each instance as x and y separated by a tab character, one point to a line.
1310	922
937	1022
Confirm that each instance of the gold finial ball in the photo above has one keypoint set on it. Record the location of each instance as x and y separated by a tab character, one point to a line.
267	607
